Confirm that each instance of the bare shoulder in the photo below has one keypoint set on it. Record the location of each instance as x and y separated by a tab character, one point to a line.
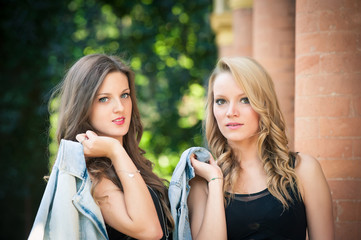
316	196
307	165
309	171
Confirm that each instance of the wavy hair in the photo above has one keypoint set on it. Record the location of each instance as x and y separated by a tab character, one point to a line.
77	92
272	141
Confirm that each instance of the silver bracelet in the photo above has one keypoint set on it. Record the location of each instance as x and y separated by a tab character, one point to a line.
130	174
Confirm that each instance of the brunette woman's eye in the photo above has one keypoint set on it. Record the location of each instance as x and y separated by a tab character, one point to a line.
103	99
125	95
220	101
245	100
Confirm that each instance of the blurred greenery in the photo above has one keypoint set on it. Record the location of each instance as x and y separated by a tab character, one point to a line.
170	46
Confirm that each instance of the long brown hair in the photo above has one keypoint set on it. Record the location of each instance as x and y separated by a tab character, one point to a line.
272	140
77	92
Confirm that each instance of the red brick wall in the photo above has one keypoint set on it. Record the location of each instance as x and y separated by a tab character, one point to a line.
242	32
274	48
328	100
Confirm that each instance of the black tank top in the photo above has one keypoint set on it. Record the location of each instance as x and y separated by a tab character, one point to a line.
116	235
262	216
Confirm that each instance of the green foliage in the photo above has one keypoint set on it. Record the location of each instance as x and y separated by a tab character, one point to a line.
172	51
170	46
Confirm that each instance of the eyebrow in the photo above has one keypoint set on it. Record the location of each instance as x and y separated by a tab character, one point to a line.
105	93
221	95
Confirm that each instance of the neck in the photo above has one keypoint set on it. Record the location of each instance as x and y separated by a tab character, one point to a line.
246	153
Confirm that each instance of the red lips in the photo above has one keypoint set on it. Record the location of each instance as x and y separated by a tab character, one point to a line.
234	125
119	121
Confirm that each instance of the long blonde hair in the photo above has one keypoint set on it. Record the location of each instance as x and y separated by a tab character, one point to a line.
272	141
77	92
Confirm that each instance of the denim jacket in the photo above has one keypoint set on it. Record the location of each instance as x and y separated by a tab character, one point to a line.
179	190
67	209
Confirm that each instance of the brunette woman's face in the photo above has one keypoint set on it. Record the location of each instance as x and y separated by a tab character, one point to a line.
112	107
235	117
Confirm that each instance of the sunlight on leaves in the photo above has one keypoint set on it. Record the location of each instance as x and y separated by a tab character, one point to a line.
185	61
141	80
126	21
136	63
163	161
176	10
80	34
171	62
191	108
183	18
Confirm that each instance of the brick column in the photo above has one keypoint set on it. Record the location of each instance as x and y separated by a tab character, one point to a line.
328	101
242	27
273	47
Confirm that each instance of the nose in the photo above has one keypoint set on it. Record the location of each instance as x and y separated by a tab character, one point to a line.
232	110
118	105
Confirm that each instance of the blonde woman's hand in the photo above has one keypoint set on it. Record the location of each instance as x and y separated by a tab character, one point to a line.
98	146
206	170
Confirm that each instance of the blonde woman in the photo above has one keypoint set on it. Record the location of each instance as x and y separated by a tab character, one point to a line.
257	189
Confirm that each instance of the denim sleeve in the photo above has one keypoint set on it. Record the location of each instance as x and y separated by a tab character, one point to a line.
179	190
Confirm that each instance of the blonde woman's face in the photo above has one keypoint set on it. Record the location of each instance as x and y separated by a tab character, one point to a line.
112	107
235	117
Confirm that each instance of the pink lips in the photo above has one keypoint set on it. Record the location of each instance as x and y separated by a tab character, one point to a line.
234	125
119	121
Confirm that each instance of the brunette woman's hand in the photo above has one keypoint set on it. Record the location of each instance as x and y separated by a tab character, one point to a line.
206	170
98	146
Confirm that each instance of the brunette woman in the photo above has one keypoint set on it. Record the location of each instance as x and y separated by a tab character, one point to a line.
98	108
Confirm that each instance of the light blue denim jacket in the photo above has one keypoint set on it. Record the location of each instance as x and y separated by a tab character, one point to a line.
179	190
67	209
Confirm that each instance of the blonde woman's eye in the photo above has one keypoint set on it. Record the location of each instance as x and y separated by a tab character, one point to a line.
103	99
245	100
125	95
220	101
